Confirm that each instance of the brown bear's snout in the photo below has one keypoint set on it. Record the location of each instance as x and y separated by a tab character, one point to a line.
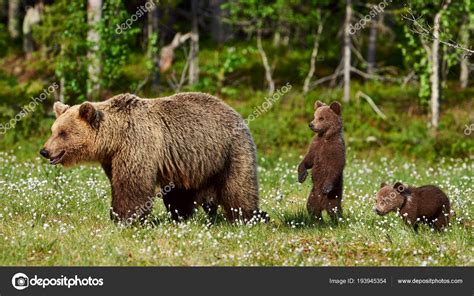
377	211
314	128
44	153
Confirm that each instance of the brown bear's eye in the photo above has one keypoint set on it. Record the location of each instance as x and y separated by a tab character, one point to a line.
321	118
62	134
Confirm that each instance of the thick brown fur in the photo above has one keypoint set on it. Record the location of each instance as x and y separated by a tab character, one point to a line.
426	204
189	139
326	159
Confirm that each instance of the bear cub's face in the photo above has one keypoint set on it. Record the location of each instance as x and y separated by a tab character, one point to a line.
390	198
327	119
72	135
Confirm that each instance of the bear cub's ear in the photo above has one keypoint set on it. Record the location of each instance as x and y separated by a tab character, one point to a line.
383	184
402	189
88	112
318	104
336	107
59	108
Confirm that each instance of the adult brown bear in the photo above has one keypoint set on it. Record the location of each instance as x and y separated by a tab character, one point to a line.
191	140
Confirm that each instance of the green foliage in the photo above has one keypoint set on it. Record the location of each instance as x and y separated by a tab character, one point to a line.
62	218
219	65
3	40
283	127
415	46
18	120
63	32
113	47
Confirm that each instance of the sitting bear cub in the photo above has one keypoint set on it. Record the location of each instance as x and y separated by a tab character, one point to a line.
425	204
326	158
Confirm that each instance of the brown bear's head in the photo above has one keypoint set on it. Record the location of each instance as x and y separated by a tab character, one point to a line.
390	198
327	119
73	134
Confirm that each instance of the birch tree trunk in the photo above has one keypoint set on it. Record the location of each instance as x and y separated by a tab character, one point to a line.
62	88
371	48
266	65
94	15
434	73
194	52
219	29
347	52
314	54
14	18
152	52
32	17
464	63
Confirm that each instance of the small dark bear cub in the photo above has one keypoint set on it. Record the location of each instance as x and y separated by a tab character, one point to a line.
426	204
326	157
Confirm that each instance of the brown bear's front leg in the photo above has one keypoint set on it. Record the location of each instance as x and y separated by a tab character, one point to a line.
133	189
107	167
410	219
441	221
304	166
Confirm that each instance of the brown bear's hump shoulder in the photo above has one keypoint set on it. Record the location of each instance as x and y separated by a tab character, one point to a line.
198	97
124	102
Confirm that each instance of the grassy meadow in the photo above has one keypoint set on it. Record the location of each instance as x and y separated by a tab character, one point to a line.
53	216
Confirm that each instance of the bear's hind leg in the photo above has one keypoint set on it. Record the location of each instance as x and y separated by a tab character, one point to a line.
211	209
334	204
334	209
315	204
237	201
238	195
180	203
206	198
441	222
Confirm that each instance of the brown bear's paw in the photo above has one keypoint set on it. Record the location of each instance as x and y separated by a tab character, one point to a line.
128	218
260	216
302	176
327	188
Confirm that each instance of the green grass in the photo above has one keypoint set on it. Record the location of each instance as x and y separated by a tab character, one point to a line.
53	216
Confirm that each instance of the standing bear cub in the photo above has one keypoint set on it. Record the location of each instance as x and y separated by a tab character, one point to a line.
189	140
426	204
326	158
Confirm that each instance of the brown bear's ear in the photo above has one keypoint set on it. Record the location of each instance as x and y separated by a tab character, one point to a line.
318	104
88	112
59	108
336	107
383	184
402	189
